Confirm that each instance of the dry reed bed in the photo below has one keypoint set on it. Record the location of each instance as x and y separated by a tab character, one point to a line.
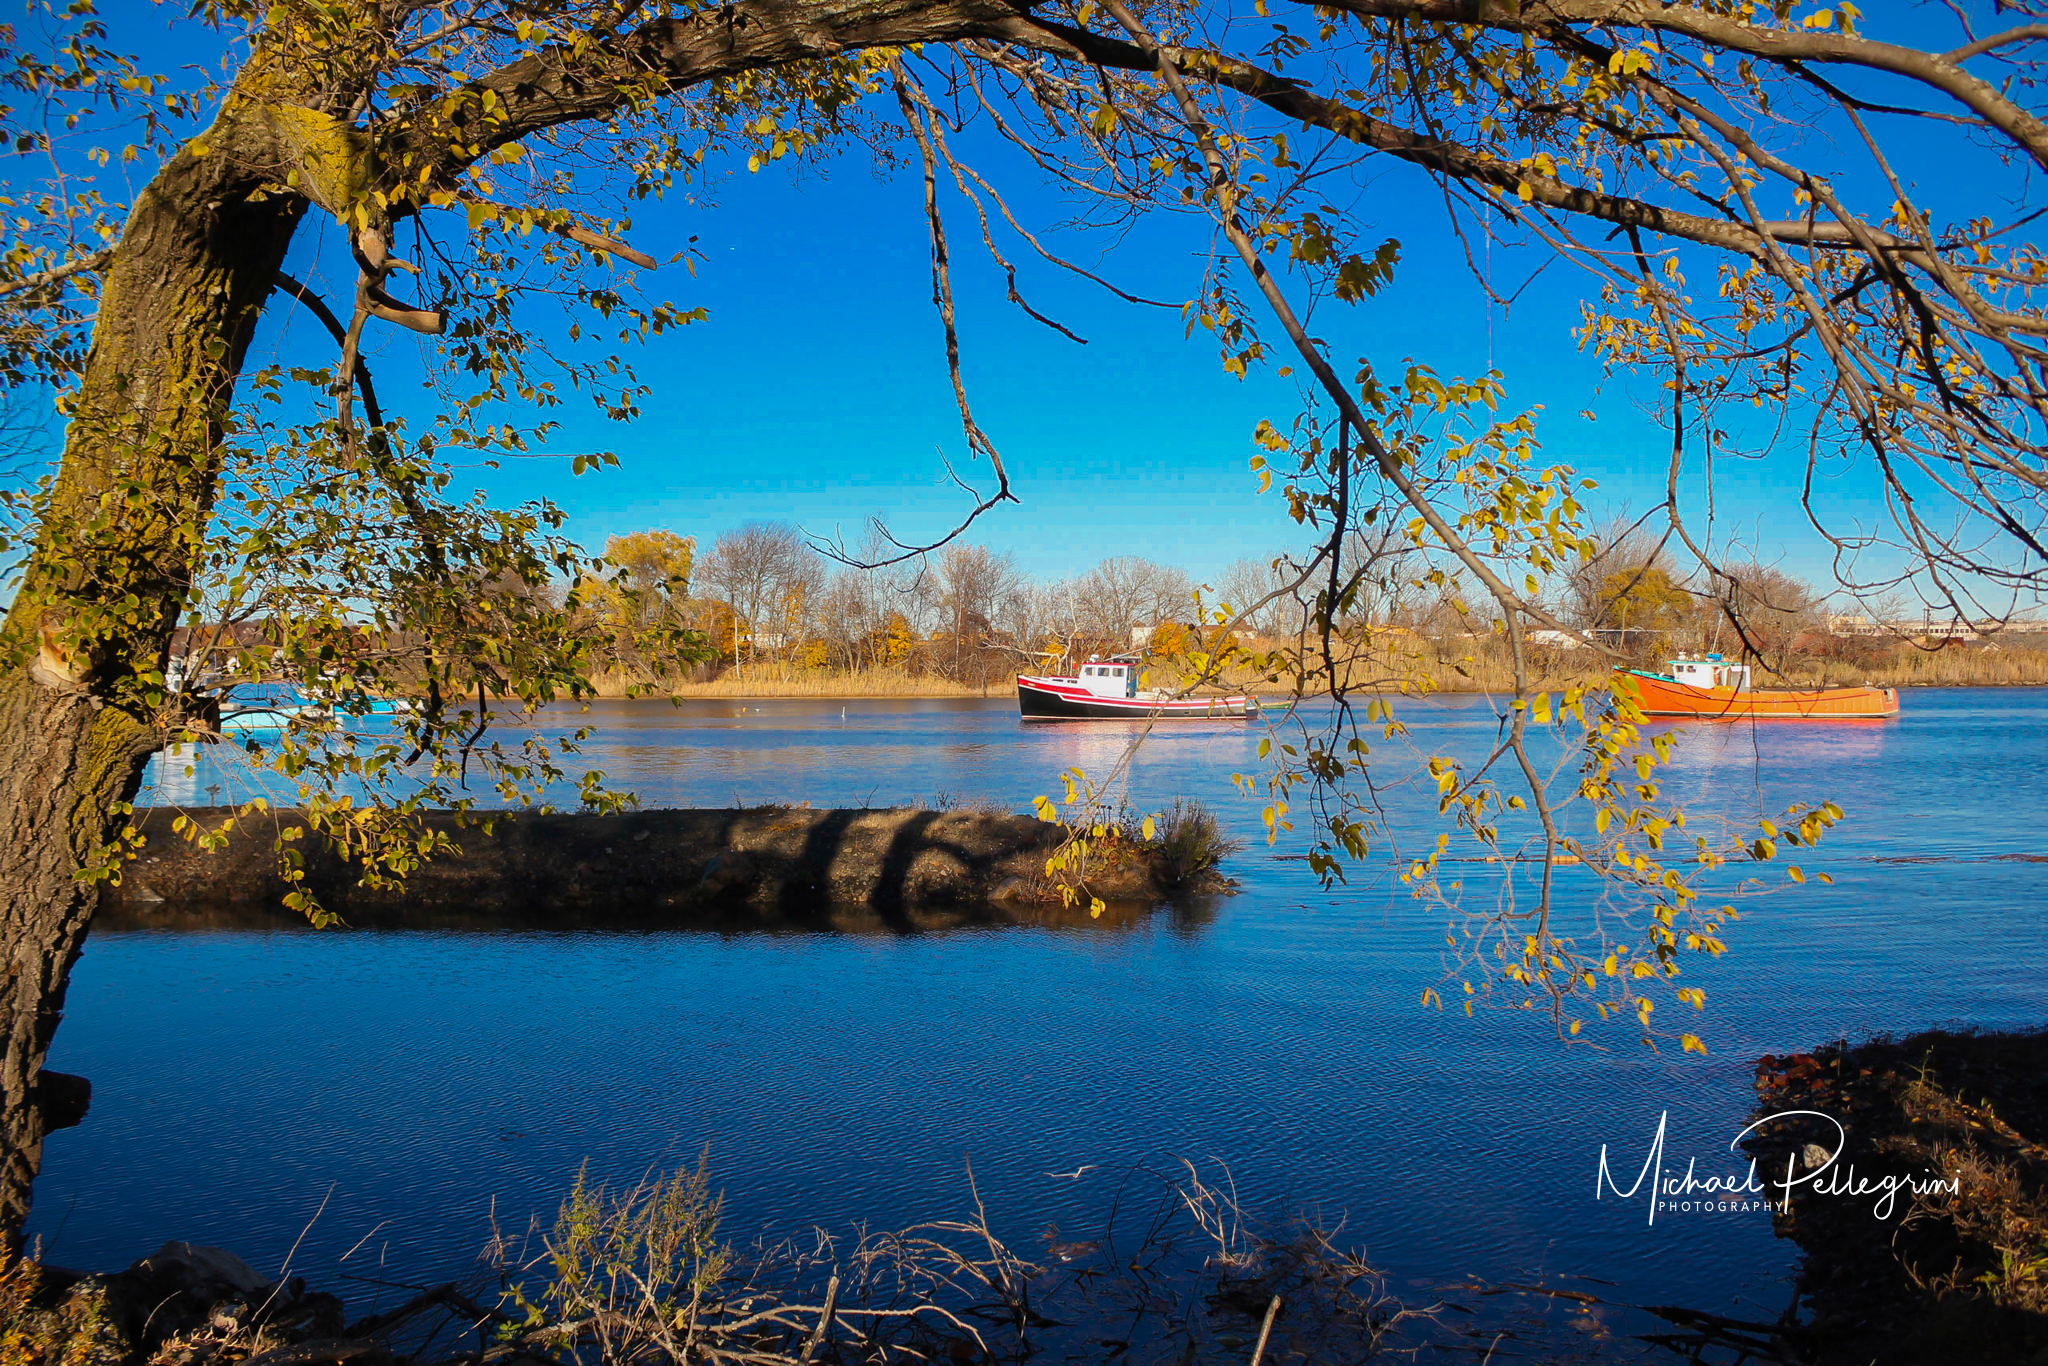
765	681
1484	666
1914	668
1457	666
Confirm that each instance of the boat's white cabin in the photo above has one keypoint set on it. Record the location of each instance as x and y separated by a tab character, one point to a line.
1711	672
1109	678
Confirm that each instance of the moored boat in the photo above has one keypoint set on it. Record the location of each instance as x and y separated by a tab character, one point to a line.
1718	689
1107	690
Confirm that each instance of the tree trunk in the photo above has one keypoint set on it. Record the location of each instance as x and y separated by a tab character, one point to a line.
112	567
63	774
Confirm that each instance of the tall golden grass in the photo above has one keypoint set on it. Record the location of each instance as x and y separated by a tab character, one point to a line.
1413	664
1484	666
1908	667
768	681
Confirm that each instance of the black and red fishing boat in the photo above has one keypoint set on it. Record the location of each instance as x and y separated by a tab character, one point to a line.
1107	690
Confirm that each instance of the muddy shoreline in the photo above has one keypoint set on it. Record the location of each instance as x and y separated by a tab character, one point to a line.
1954	1266
848	868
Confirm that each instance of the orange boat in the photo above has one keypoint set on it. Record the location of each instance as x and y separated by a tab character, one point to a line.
1714	689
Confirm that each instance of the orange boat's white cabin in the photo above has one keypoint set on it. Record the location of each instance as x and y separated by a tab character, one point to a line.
1711	672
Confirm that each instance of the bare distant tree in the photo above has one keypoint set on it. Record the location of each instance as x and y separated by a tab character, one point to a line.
1248	581
1392	576
1438	609
855	609
1026	618
1382	583
972	581
1759	608
847	620
1126	592
1631	580
766	571
1045	622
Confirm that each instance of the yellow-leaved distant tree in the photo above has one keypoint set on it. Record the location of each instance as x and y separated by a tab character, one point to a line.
640	593
1644	598
656	566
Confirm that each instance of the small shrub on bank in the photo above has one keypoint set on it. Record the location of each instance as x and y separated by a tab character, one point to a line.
1192	843
632	1270
40	1328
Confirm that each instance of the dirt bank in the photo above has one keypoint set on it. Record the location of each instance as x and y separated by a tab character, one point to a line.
1954	1267
902	868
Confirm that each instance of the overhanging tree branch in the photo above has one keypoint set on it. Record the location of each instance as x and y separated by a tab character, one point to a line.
1938	71
91	261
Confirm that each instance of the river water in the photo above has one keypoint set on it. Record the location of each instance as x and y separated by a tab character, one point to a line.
421	1084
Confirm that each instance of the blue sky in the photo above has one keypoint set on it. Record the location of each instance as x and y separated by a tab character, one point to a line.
816	391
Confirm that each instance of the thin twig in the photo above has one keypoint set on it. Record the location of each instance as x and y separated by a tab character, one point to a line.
1266	1329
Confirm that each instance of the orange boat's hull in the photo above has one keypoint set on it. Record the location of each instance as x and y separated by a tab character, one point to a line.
1668	697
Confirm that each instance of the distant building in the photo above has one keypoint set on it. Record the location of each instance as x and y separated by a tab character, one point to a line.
1557	640
1845	624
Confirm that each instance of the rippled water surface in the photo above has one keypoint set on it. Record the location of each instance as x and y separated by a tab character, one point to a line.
418	1082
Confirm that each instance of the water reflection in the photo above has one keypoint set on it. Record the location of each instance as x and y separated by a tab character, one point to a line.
1186	916
1733	745
429	1078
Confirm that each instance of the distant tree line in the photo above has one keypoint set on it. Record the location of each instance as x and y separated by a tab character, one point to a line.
763	602
763	598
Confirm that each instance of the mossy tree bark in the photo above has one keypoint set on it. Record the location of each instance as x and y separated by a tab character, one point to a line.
141	462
